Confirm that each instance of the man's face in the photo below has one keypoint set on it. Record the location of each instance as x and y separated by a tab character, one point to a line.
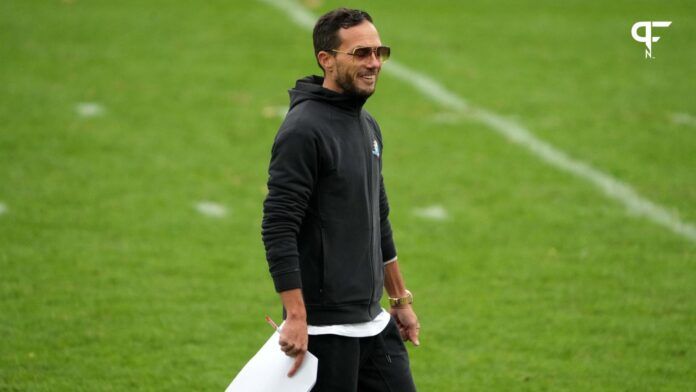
352	74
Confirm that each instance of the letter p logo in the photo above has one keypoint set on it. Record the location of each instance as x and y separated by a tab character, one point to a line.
648	38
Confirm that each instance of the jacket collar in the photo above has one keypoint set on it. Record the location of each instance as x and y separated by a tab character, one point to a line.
310	88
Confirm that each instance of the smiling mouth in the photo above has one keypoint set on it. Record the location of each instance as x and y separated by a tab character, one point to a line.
369	78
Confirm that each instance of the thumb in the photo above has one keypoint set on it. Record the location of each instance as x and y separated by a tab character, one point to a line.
413	336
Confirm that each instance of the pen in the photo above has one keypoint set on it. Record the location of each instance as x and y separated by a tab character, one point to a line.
271	323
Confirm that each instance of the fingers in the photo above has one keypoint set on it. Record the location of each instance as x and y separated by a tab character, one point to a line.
296	351
402	329
296	365
410	334
287	348
408	324
290	349
413	334
404	333
410	331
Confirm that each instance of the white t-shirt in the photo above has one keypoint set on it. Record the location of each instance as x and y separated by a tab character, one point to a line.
357	330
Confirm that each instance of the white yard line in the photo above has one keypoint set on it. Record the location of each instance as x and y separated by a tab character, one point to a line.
684	119
518	134
436	212
295	11
212	209
89	109
275	111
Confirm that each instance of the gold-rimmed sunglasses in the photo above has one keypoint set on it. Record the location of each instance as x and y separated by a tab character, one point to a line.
382	52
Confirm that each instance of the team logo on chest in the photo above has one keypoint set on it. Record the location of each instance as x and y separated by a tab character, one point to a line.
375	148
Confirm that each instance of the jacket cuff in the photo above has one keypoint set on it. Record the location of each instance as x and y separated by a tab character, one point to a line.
287	281
388	249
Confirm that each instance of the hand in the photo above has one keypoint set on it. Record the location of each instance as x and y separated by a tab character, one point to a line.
407	321
293	341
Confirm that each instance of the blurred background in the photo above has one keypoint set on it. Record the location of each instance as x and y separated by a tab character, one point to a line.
135	138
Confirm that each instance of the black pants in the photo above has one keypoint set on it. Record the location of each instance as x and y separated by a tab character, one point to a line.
372	364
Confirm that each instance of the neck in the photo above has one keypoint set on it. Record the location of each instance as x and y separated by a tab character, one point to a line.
330	84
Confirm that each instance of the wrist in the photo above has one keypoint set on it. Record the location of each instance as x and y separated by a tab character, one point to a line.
294	305
296	315
402	301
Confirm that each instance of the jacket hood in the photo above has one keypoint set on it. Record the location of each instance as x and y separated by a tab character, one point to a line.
310	88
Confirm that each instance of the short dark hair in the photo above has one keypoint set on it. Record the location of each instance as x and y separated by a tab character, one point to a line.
325	33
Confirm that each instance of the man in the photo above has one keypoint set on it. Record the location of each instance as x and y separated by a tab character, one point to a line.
325	227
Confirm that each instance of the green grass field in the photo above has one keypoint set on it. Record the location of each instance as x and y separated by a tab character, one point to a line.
112	280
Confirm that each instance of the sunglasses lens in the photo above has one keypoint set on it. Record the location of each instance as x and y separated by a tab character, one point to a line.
383	53
362	52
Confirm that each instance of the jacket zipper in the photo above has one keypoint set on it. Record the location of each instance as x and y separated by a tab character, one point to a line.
370	217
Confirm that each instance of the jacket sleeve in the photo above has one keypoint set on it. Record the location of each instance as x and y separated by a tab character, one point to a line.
388	247
292	174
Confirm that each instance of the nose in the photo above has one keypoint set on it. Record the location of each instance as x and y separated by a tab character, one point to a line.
374	61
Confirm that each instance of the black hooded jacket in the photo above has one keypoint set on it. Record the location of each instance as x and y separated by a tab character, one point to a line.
325	219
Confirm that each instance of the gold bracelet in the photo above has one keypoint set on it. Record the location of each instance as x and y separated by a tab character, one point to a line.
407	300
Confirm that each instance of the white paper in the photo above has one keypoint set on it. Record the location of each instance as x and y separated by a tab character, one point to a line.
268	371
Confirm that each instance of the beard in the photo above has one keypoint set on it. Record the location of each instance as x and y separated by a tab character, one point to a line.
348	83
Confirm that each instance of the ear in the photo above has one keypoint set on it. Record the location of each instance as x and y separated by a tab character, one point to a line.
327	61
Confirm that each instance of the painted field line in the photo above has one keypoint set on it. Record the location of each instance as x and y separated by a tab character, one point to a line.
3	208
89	109
435	212
210	208
684	119
275	111
518	134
